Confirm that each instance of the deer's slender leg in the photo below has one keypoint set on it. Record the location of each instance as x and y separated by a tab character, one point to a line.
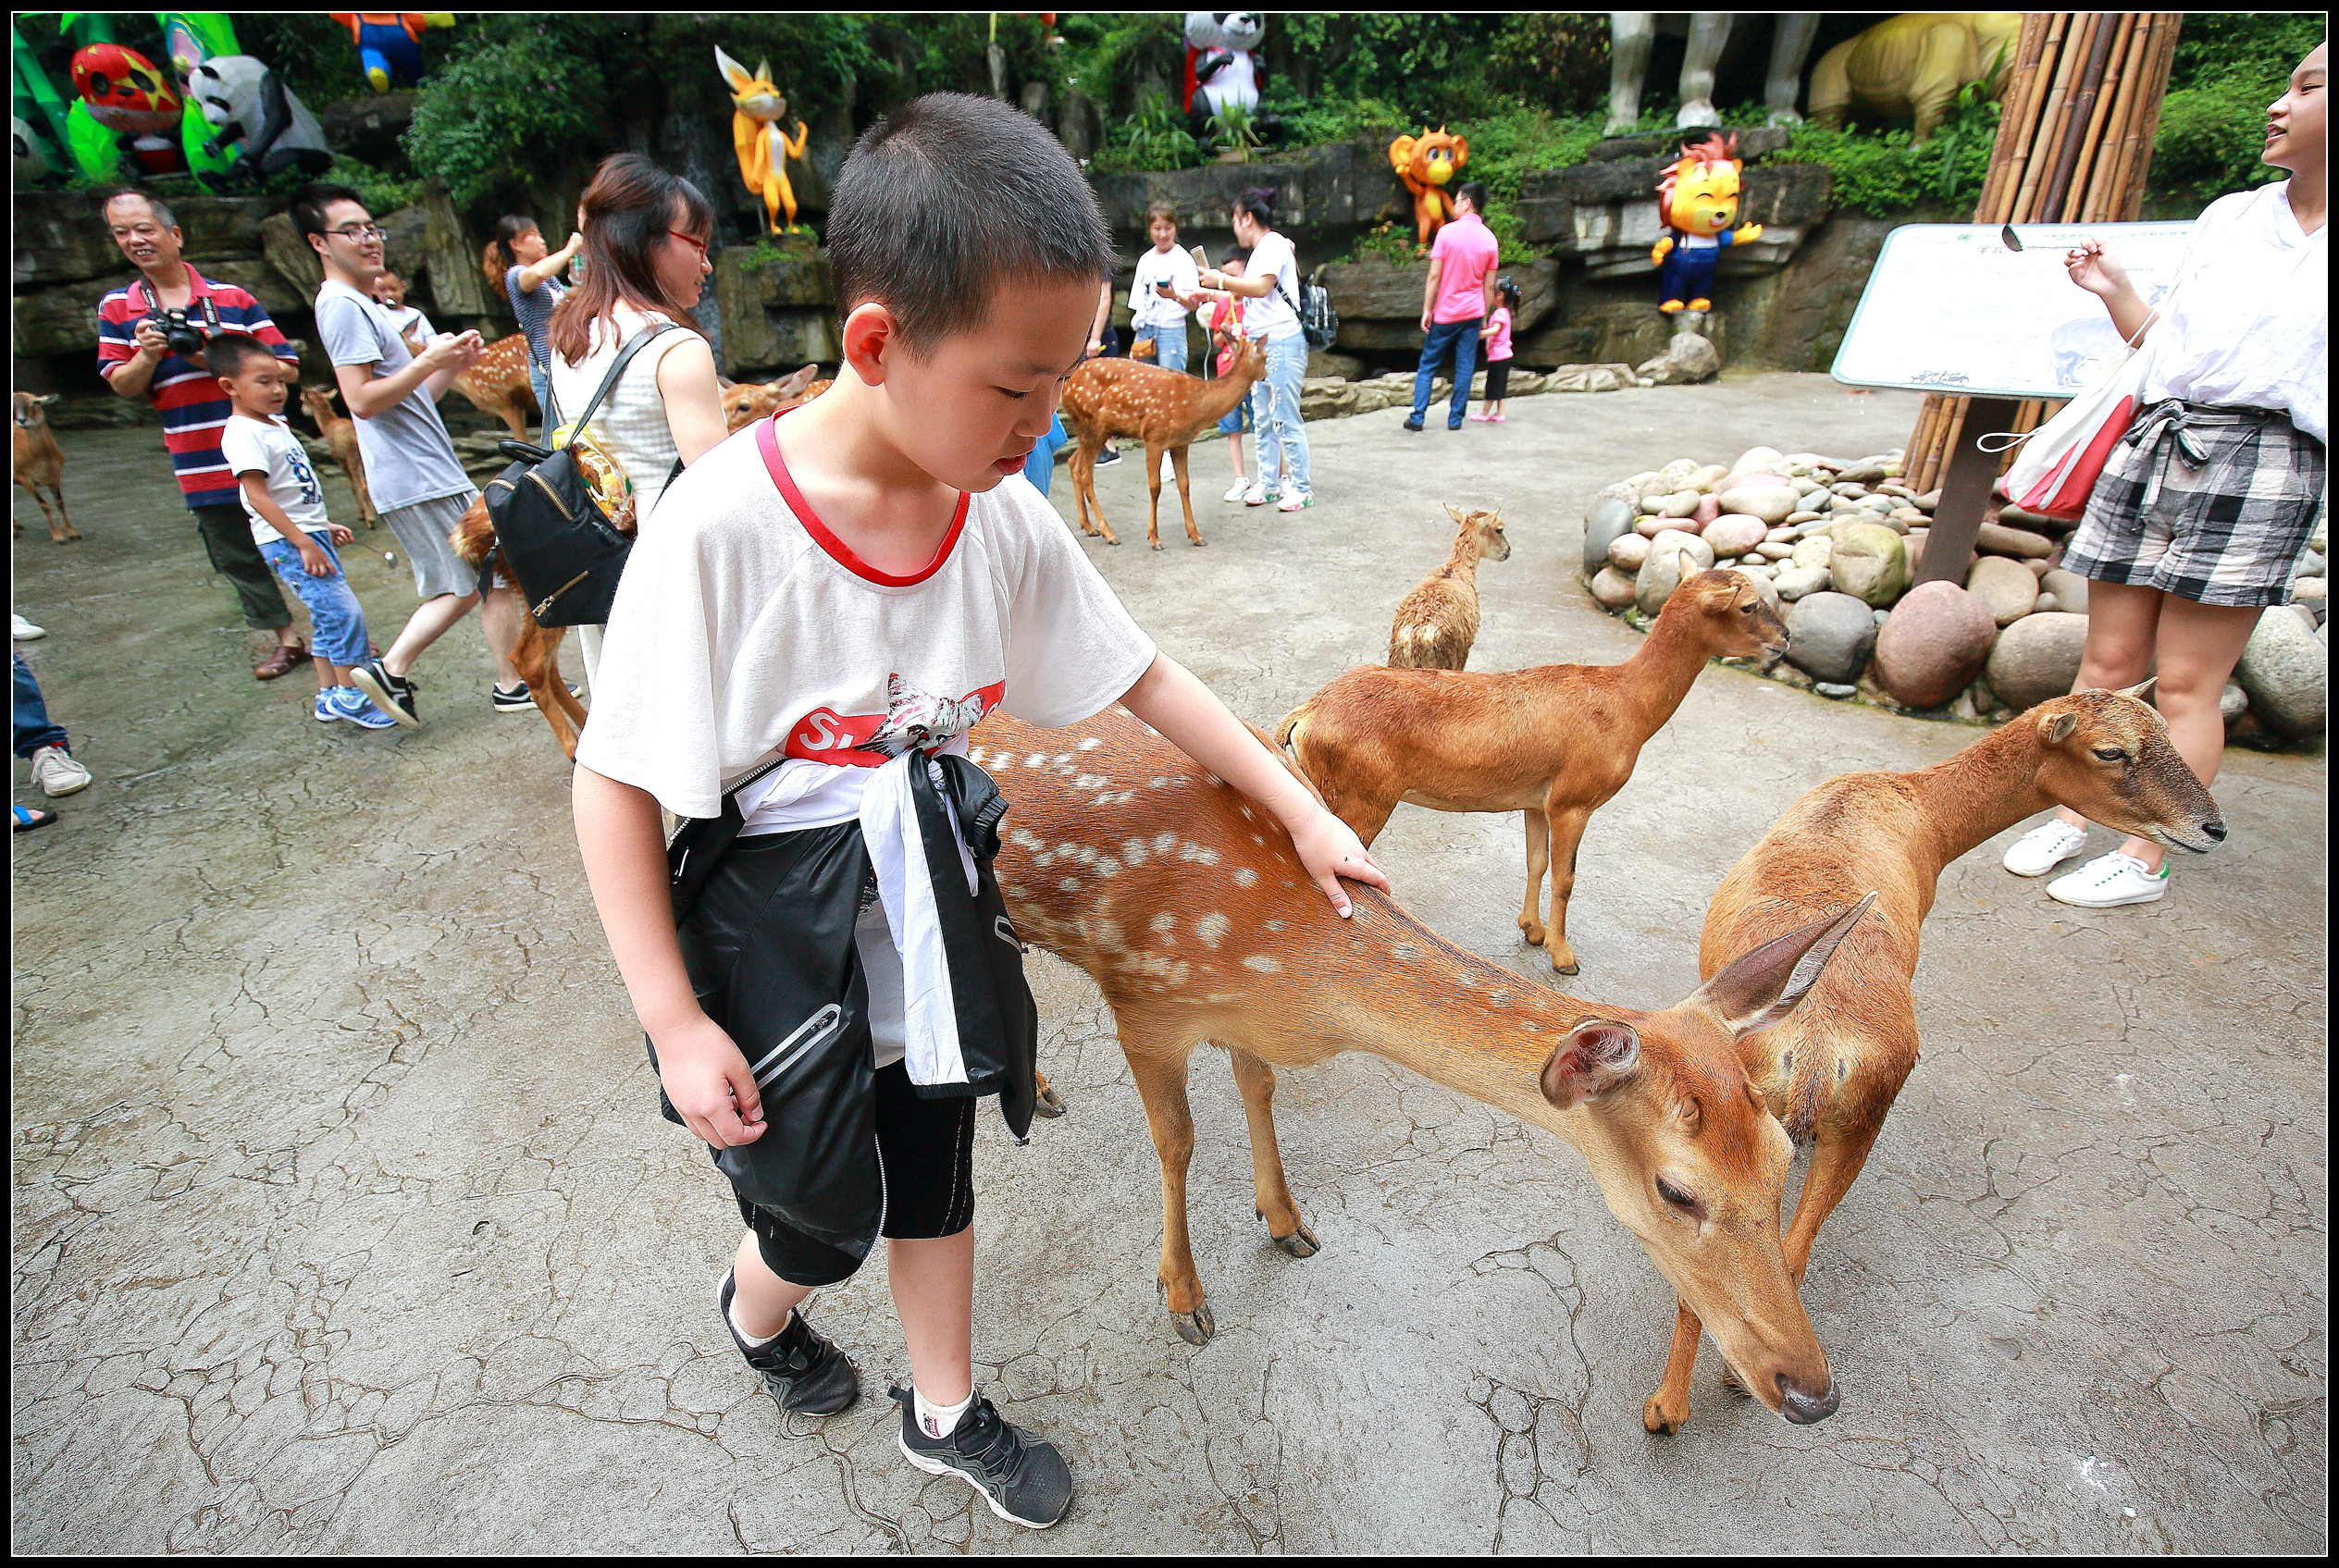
1185	494
1539	859
1669	1406
1161	1085
1836	1163
1086	459
1153	494
1285	1226
1567	836
534	656
1050	1103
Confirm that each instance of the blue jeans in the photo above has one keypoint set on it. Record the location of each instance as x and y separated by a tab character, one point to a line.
337	622
540	383
1040	467
1282	439
1461	340
1169	345
33	729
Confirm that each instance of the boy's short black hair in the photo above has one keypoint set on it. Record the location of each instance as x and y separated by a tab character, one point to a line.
228	354
1477	193
310	202
946	198
1238	254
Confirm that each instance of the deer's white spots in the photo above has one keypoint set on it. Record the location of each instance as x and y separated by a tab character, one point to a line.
1106	865
1212	928
1160	784
1498	998
1275	925
1464	981
1162	924
1133	852
1404	952
1063	758
1164	842
1092	781
1201	853
1244	876
1257	840
1070	884
1036	760
1246	813
1263	964
1027	839
1091	744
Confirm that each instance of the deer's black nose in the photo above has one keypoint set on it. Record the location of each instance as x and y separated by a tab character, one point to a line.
2215	828
1801	1406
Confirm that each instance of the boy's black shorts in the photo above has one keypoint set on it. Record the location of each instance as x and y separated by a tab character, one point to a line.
926	1150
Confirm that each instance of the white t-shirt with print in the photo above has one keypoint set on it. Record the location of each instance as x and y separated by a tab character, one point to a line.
743	629
2248	322
1172	266
270	447
1273	316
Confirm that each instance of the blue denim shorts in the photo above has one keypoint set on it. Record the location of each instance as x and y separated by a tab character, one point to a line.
337	621
1237	423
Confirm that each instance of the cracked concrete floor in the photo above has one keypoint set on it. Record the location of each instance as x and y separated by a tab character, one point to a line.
343	1220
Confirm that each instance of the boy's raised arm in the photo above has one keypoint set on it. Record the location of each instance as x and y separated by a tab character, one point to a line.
1186	713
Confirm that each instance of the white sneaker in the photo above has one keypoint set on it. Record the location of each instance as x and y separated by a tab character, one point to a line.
1241	488
1255	496
25	631
2108	881
2045	847
1169	469
56	771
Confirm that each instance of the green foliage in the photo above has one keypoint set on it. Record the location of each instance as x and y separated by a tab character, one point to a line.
1883	174
1231	130
382	192
1154	137
523	91
1120	59
1311	122
1555	60
312	53
2229	67
1387	242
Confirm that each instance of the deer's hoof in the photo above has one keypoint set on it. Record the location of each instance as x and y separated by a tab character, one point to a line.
1662	1419
1195	1328
1049	1104
1300	1243
1199	543
1153	544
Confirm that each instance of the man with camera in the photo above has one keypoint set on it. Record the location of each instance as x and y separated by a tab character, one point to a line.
150	339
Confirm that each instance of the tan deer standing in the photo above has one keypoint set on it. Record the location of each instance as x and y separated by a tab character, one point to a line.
1831	1072
1168	409
1188	906
1439	621
40	463
536	654
341	436
497	384
1557	742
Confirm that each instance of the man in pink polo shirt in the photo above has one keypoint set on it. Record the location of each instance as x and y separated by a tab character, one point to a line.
1459	294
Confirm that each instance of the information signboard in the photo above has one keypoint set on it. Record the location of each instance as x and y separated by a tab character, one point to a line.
1950	309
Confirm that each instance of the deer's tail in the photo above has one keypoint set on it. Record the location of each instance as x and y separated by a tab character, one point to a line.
474	535
1292	721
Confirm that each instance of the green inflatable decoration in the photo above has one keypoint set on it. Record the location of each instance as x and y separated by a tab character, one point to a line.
189	39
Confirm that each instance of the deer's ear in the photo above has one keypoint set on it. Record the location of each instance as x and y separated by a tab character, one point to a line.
1597	1054
2058	728
1456	513
1759	989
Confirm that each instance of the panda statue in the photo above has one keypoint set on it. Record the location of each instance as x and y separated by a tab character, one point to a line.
247	103
1222	64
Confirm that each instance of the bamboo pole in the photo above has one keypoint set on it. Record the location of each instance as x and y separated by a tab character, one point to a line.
2095	208
2025	129
2113	48
2142	112
2057	111
2151	125
1917	463
2078	111
2014	112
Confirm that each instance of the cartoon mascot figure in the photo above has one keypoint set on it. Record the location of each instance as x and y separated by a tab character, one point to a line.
1699	200
1428	163
759	110
1223	65
126	95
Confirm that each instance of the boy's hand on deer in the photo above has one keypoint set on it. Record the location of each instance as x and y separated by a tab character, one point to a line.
708	1081
1330	850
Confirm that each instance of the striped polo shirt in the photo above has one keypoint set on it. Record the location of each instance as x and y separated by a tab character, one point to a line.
183	392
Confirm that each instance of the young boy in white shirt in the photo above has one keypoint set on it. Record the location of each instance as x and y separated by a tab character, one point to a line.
287	507
845	590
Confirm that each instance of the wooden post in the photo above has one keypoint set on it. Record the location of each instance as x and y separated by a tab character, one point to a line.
1965	493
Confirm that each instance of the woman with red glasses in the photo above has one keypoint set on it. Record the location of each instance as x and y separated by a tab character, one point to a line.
646	234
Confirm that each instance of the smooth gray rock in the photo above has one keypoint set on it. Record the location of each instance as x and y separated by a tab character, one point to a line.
2233	702
1679	538
1661	574
1830	636
1836	691
2036	658
2005	588
1871	564
1611	588
1610	518
1796	581
1627	552
2285	672
2069	588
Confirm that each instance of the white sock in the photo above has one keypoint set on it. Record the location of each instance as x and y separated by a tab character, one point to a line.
940	1420
748	1339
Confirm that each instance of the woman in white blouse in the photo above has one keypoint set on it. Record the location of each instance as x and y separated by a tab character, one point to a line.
2205	503
646	234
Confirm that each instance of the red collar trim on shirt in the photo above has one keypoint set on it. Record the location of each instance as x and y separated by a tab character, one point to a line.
767	441
140	290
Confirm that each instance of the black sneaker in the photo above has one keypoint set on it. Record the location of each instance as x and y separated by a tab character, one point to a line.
392	694
1412	422
1024	1479
802	1371
514	698
1107	457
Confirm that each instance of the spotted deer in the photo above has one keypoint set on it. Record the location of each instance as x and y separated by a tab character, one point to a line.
1439	621
1830	1072
1190	909
1557	742
341	434
744	403
1168	409
39	464
536	654
497	384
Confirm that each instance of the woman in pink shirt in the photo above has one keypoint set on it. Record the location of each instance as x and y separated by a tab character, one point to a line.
1498	352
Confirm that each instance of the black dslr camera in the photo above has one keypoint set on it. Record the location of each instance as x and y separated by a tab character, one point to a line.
180	335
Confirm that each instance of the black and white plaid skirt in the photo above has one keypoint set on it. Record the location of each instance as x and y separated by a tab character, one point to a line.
2208	502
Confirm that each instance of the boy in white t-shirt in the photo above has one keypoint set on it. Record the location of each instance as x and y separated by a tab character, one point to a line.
844	590
287	507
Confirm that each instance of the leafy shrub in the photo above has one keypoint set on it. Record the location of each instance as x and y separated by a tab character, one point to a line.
1885	175
381	192
1154	137
2228	68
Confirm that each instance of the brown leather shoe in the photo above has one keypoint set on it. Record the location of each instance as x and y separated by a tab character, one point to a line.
281	661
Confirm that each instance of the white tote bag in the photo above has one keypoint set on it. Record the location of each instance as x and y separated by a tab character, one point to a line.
2061	460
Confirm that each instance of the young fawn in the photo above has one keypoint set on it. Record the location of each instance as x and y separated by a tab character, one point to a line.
1557	742
1439	621
1188	907
1831	1071
40	463
1168	409
497	385
536	654
744	403
341	436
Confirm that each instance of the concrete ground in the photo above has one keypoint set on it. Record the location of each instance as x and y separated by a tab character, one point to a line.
343	1220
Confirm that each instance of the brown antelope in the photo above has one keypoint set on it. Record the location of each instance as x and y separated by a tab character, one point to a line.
497	384
1557	742
1189	908
744	403
536	654
341	436
40	462
1168	409
1831	1072
1439	621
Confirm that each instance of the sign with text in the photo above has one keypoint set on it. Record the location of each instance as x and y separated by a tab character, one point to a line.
1950	309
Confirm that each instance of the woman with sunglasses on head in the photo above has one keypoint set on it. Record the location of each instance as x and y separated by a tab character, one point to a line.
646	233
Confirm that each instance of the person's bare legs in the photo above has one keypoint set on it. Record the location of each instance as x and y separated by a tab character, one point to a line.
1234	451
2198	646
427	625
499	615
2122	621
760	1300
934	1296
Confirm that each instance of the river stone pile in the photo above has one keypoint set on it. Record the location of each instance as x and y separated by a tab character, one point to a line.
1836	543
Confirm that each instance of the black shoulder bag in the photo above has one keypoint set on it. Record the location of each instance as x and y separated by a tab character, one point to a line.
548	529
